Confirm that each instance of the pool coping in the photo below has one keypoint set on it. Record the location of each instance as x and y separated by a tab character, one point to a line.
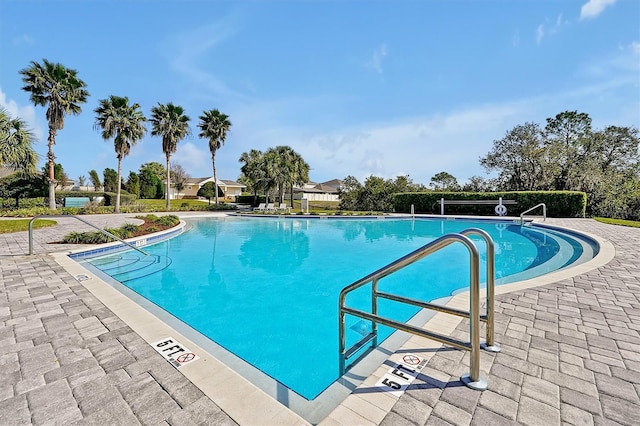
248	404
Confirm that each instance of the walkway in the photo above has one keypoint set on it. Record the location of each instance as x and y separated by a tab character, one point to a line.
571	353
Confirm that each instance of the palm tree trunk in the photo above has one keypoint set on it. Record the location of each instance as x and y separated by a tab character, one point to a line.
52	161
168	183
291	199
215	177
117	208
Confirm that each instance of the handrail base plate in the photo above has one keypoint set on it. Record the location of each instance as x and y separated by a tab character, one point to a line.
480	384
495	348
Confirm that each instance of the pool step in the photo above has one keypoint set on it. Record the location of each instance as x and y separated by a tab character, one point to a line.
130	266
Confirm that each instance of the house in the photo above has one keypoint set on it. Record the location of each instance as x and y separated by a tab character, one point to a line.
326	191
231	189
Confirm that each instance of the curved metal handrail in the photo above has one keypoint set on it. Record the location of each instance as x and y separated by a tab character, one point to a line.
109	234
544	212
473	379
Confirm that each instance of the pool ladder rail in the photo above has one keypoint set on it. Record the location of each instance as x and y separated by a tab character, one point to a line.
107	233
544	212
472	379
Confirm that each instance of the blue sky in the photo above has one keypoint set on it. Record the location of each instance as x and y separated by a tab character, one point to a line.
356	87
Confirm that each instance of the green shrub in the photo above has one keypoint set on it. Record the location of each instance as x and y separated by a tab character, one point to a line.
222	206
248	199
125	198
170	220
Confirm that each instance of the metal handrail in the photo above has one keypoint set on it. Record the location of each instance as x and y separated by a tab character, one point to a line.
544	212
489	345
109	234
473	379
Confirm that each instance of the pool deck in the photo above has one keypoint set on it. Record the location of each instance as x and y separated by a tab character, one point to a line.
570	351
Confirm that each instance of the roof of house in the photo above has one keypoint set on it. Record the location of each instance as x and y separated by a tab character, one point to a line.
203	180
333	182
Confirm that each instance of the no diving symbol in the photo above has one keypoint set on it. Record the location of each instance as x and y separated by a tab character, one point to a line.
411	359
185	357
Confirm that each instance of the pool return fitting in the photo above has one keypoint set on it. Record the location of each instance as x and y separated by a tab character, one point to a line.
472	379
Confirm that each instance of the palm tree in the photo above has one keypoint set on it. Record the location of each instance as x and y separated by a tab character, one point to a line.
299	173
118	119
16	140
170	122
60	88
253	174
214	126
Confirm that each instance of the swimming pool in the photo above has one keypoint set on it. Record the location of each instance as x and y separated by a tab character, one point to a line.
266	289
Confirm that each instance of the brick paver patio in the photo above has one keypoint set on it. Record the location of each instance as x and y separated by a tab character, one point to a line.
570	351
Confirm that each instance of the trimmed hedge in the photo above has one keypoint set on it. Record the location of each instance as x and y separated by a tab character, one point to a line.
125	198
248	199
559	203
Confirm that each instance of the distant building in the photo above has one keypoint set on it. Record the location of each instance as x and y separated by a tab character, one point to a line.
326	191
231	189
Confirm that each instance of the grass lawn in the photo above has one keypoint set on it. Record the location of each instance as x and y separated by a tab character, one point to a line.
620	222
17	225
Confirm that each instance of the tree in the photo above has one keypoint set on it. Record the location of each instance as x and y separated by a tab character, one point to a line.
95	180
299	170
59	88
565	137
16	145
253	174
110	179
60	175
444	181
155	168
214	126
150	183
169	122
179	177
479	184
18	186
209	190
521	158
568	155
82	181
132	185
123	122
58	172
376	194
349	192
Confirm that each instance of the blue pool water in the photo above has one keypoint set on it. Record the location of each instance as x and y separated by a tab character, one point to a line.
266	289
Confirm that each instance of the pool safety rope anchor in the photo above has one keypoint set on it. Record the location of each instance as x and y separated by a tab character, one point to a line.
472	379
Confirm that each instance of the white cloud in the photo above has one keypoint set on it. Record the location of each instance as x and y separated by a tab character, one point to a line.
547	28
375	63
515	40
539	33
194	159
23	40
593	8
186	51
26	113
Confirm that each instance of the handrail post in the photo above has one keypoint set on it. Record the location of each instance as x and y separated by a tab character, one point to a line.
31	235
341	360
489	344
473	379
374	311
